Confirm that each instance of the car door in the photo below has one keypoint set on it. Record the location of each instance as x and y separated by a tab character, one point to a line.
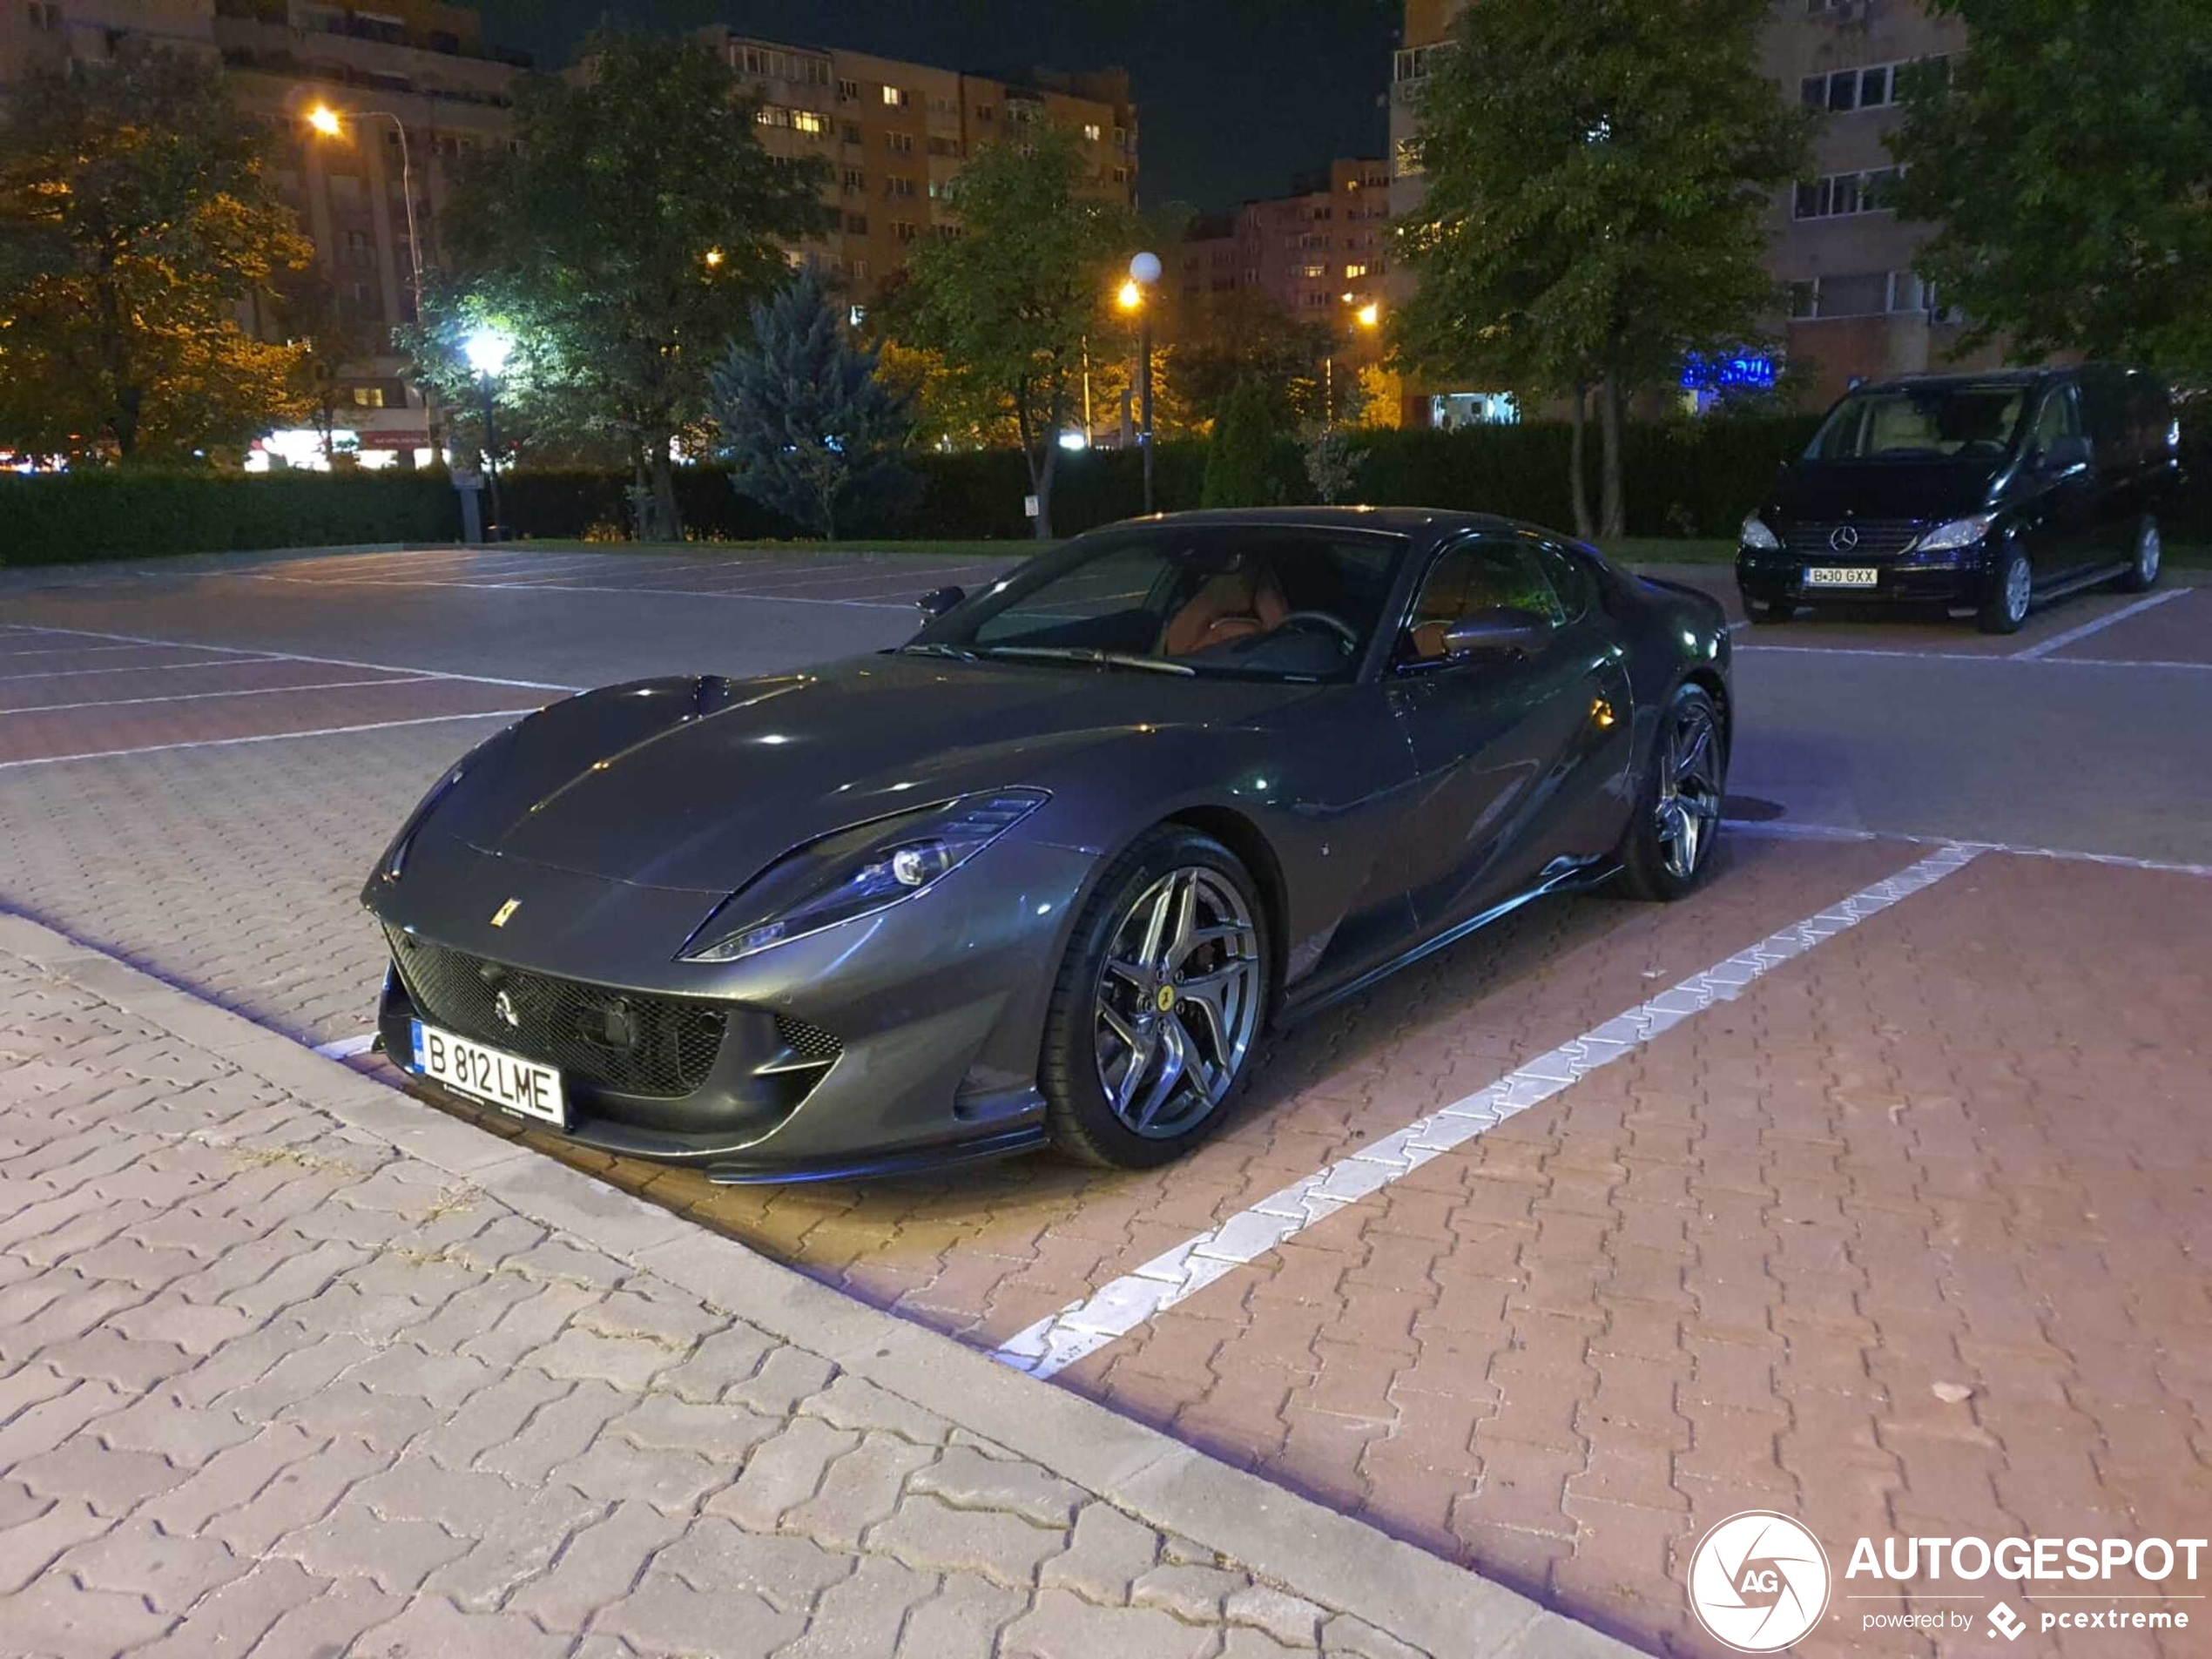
1510	752
2059	518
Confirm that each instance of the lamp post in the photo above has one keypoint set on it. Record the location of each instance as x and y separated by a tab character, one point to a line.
1366	316
487	350
328	122
1143	272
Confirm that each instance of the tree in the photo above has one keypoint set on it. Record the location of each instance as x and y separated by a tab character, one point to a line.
1240	462
1598	175
1331	464
136	222
1009	303
625	237
327	342
813	433
1241	336
2067	160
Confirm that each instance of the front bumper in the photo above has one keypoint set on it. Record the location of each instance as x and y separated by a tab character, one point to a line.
1955	576
897	1041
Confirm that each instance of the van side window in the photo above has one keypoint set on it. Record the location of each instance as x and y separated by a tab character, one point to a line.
2061	418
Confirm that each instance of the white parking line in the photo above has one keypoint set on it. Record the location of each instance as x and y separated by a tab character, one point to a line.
560	587
298	657
202	697
131	668
2045	647
1113	1311
68	650
1779	830
1966	657
266	737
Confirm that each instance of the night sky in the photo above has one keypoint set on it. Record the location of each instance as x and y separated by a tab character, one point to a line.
1236	95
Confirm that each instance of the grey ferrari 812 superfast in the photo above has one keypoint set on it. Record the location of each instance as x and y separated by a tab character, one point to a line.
1046	873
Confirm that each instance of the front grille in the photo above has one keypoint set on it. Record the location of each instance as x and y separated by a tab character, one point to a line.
1877	538
626	1041
807	1042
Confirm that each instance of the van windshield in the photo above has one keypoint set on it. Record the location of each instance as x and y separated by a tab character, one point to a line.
1966	421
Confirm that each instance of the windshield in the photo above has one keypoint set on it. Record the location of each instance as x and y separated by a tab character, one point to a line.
1256	602
1964	421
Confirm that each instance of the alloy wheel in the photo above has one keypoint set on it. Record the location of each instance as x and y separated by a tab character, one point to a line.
2148	550
1689	788
2020	583
1177	1001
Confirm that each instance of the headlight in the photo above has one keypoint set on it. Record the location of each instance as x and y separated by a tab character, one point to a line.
856	873
1756	534
1960	532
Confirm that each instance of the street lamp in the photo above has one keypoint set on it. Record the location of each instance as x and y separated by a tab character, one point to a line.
1143	272
328	122
487	350
1366	316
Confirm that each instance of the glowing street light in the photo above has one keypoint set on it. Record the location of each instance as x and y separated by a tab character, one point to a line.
1369	315
487	350
324	119
1143	272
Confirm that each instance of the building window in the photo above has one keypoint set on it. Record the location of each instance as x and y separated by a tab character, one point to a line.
1871	294
898	188
856	223
1842	195
896	96
1408	158
860	270
899	143
775	115
942	146
1877	86
848	91
1092	132
851	133
368	397
794	67
904	232
1313	272
984	113
1351	273
856	182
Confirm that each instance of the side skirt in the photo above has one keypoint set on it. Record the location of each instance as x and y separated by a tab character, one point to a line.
1573	879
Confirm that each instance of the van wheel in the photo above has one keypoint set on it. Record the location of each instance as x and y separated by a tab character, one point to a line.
2007	606
2143	575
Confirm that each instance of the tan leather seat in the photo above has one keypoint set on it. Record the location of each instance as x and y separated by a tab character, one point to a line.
1230	606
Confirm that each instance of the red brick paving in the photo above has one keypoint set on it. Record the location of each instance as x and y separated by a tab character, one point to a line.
193	677
1969	1143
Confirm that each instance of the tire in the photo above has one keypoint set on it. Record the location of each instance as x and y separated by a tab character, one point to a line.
2010	592
1129	951
2143	575
1651	856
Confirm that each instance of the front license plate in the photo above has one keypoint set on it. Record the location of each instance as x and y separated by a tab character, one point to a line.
1841	576
506	1081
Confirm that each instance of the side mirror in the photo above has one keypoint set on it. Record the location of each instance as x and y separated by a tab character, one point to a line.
2063	456
935	602
1503	630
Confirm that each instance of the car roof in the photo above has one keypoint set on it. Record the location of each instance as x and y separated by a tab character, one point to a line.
1999	376
1417	523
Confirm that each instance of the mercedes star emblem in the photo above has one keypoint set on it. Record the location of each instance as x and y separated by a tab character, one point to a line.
1842	538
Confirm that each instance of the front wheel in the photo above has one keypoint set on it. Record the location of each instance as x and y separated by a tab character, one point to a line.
2143	575
1161	993
2006	607
1667	846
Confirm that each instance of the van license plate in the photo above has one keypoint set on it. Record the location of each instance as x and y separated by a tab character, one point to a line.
1841	576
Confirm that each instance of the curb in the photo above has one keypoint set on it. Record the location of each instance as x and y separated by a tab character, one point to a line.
1273	1533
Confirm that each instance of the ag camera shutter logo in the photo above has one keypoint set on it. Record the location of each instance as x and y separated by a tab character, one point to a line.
1758	1582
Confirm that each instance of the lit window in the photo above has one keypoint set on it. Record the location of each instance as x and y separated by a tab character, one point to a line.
895	96
1092	132
368	397
809	121
1353	271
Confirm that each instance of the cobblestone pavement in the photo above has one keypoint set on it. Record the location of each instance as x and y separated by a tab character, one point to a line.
270	1384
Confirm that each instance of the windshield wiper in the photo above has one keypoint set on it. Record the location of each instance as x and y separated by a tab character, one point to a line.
1091	654
934	648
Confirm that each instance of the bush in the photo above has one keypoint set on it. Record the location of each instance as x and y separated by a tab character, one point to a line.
134	514
1242	466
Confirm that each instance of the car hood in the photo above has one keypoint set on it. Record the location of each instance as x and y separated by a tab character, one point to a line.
700	782
1831	491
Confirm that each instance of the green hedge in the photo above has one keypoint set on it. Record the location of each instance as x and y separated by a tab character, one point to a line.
138	514
1682	478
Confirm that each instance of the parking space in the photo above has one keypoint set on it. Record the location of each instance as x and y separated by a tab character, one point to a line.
1867	1185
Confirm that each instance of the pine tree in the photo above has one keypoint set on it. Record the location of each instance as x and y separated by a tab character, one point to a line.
811	430
1240	463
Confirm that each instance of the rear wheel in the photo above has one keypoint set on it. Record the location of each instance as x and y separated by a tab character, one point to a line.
2009	595
1667	846
2143	575
1159	1000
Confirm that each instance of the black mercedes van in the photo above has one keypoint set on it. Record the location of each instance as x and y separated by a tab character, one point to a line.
1986	493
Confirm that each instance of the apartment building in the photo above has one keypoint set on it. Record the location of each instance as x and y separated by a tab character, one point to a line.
427	64
895	133
1854	308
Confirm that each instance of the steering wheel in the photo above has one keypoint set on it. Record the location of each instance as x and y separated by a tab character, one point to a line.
1335	626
